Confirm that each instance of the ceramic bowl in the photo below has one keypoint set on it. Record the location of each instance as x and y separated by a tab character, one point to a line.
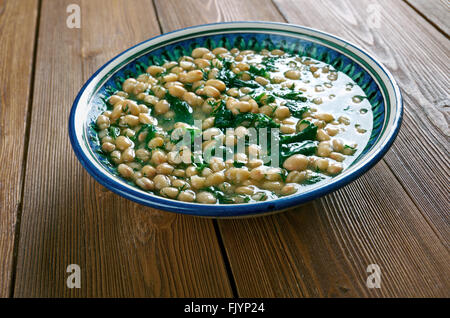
375	80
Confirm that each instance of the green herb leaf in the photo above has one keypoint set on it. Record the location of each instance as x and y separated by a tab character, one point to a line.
269	99
149	129
230	79
314	179
258	71
257	120
223	118
183	111
141	162
114	132
283	174
292	95
307	148
296	110
205	75
110	90
269	63
309	133
238	164
200	166
223	199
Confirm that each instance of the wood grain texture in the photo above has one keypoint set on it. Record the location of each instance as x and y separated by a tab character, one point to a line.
417	55
323	248
123	249
17	35
176	14
436	11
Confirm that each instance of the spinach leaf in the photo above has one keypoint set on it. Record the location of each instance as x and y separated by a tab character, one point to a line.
185	136
205	75
264	121
216	149
151	131
238	164
269	63
296	110
258	71
106	102
258	98
292	95
194	132
309	133
352	149
283	174
110	90
183	111
223	199
307	148
223	117
230	79
244	119
200	166
257	120
113	132
314	179
140	161
349	147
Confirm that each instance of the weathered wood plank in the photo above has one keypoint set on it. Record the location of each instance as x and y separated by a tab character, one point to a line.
123	249
324	248
175	14
436	11
17	35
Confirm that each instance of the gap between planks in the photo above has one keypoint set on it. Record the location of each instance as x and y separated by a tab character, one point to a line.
426	18
26	141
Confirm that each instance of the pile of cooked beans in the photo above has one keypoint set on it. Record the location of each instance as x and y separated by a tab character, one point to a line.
322	116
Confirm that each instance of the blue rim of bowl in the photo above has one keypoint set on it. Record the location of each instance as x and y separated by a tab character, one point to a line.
234	210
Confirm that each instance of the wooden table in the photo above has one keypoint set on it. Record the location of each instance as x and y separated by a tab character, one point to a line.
54	214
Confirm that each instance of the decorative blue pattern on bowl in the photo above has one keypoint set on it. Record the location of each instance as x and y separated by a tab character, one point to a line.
376	82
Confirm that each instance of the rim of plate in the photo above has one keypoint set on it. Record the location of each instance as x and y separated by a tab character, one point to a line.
78	116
